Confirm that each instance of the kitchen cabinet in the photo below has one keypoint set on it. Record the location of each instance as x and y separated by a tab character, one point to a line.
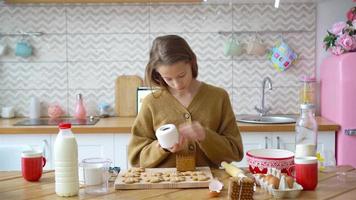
282	140
115	146
92	146
112	146
11	146
121	150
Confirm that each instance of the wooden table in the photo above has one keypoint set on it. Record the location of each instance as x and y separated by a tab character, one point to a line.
13	186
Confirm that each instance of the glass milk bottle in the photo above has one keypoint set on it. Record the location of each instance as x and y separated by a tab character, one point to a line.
306	129
66	162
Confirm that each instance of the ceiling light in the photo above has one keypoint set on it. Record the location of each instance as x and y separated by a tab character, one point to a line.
276	3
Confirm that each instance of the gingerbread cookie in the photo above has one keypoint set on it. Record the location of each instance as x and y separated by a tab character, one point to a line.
131	180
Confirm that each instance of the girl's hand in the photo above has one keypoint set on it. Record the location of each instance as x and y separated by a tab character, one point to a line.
193	131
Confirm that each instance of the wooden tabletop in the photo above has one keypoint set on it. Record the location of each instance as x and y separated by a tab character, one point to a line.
13	186
123	125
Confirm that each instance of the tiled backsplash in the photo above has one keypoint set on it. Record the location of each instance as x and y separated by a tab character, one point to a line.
86	46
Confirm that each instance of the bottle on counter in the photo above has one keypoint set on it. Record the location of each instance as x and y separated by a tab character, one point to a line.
66	162
307	93
306	129
104	109
34	109
80	112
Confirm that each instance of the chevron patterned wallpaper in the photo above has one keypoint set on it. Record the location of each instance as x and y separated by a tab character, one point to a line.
86	46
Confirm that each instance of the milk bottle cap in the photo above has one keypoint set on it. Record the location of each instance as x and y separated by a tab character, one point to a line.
65	125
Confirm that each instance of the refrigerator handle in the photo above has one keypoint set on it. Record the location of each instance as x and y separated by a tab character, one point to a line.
350	132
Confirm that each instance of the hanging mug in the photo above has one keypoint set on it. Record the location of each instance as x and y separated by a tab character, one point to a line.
232	47
255	46
23	49
3	49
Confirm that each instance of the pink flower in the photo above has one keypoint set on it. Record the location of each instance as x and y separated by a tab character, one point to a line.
346	41
351	14
337	50
354	44
338	28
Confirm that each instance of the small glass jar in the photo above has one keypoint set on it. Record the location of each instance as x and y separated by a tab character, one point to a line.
306	129
95	175
307	93
104	109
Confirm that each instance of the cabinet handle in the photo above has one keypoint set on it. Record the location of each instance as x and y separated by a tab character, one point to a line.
266	142
278	143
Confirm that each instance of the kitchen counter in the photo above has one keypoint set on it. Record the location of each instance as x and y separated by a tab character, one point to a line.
13	186
123	125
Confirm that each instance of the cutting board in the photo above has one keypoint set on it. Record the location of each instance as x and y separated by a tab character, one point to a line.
188	183
125	95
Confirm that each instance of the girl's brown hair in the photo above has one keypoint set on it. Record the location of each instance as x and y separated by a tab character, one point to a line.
167	50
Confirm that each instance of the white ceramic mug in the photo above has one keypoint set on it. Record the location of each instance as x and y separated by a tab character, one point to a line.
8	112
167	135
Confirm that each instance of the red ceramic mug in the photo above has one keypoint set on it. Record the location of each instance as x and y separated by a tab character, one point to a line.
32	163
305	171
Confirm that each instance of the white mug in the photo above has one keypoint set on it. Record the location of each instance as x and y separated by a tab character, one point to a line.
167	135
8	112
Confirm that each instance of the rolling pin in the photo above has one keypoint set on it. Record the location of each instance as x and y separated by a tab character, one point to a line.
232	170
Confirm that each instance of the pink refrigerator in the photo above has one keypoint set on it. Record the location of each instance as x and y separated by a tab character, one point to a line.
338	102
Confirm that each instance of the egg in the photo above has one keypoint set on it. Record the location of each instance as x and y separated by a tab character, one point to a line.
260	176
214	193
215	187
274	181
266	178
289	181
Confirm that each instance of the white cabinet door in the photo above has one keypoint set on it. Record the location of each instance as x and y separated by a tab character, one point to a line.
121	146
326	146
284	141
258	140
11	146
93	146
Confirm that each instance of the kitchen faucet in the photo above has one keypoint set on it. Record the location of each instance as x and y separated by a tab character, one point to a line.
263	111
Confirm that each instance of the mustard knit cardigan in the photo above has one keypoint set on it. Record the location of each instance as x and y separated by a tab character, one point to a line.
210	106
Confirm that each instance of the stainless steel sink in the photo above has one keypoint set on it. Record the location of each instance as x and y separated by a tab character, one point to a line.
268	119
55	122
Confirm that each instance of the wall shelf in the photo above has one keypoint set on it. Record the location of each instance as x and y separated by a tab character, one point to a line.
261	32
100	1
22	34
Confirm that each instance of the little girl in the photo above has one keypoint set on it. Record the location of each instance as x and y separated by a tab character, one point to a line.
202	112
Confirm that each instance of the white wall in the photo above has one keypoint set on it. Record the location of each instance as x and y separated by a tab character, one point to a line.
86	46
328	12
